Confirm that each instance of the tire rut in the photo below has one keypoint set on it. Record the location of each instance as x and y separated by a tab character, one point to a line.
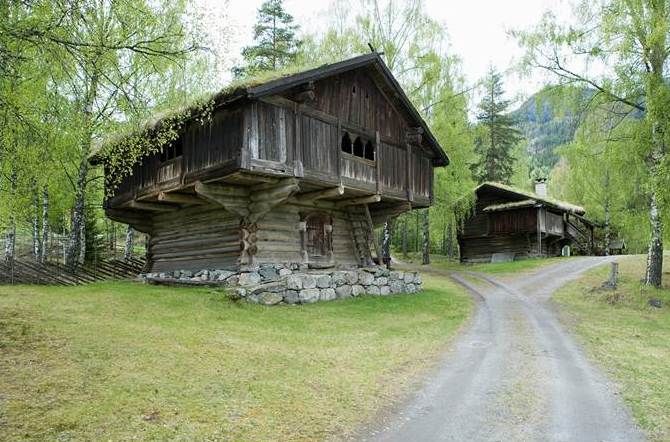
513	374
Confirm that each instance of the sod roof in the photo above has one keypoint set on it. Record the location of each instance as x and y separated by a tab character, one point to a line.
277	82
525	199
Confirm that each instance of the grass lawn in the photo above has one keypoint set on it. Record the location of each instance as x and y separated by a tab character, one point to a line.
630	339
128	361
523	265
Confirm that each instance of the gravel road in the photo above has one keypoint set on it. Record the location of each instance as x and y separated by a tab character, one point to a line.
515	374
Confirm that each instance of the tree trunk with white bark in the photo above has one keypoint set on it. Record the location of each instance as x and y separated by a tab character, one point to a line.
128	249
44	252
425	246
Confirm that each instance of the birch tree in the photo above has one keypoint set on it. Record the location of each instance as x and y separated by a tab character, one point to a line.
99	51
619	48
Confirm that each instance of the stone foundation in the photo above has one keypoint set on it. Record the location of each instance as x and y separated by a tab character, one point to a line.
295	284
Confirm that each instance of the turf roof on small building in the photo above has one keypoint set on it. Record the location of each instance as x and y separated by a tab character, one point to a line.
529	199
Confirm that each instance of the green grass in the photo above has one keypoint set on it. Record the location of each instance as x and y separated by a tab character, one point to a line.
120	361
522	265
627	337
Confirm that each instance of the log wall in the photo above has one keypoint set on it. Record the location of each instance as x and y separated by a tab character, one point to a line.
194	238
279	238
208	237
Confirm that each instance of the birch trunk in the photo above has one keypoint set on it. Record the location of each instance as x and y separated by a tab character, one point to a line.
655	50
36	224
10	235
10	241
404	237
425	246
44	255
654	271
128	249
74	255
82	242
608	239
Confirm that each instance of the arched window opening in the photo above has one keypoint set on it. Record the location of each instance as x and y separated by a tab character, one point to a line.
346	143
359	150
369	151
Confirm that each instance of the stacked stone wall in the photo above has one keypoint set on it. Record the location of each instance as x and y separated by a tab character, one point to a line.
295	284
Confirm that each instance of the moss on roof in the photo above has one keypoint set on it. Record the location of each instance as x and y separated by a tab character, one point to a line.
194	108
561	205
509	206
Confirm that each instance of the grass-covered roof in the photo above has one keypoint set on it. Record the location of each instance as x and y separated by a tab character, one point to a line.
528	199
152	133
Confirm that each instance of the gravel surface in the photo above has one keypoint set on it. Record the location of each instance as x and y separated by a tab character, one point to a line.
514	374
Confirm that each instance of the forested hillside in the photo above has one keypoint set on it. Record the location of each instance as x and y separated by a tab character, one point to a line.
547	120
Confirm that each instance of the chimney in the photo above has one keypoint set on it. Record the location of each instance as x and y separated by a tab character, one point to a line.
541	187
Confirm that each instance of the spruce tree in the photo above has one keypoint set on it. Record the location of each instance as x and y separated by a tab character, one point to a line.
276	44
498	134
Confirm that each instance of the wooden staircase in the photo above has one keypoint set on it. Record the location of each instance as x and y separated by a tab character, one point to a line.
580	235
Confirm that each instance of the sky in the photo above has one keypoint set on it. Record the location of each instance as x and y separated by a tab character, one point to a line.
477	31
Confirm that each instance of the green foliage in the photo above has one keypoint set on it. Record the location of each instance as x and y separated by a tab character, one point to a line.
598	172
628	39
276	45
497	136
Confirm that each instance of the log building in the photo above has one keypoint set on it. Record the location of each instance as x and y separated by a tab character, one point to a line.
294	170
512	223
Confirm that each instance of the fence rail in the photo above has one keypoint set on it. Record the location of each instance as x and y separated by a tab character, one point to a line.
31	272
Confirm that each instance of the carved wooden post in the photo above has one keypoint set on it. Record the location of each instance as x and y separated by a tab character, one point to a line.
248	243
302	228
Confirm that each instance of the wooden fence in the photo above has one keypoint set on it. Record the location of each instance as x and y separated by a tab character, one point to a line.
32	272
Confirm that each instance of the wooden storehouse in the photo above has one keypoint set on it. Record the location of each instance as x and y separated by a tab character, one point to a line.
509	223
298	169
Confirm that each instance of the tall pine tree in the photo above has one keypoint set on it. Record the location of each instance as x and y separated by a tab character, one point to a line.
276	45
498	134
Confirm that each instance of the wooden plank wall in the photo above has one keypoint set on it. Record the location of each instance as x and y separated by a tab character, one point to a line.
205	145
393	165
319	143
268	131
214	142
279	238
358	169
195	238
514	221
355	98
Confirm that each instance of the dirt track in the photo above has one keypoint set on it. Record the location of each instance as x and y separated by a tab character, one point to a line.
514	374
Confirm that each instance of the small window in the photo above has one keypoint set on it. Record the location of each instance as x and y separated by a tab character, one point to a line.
173	151
359	150
346	143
